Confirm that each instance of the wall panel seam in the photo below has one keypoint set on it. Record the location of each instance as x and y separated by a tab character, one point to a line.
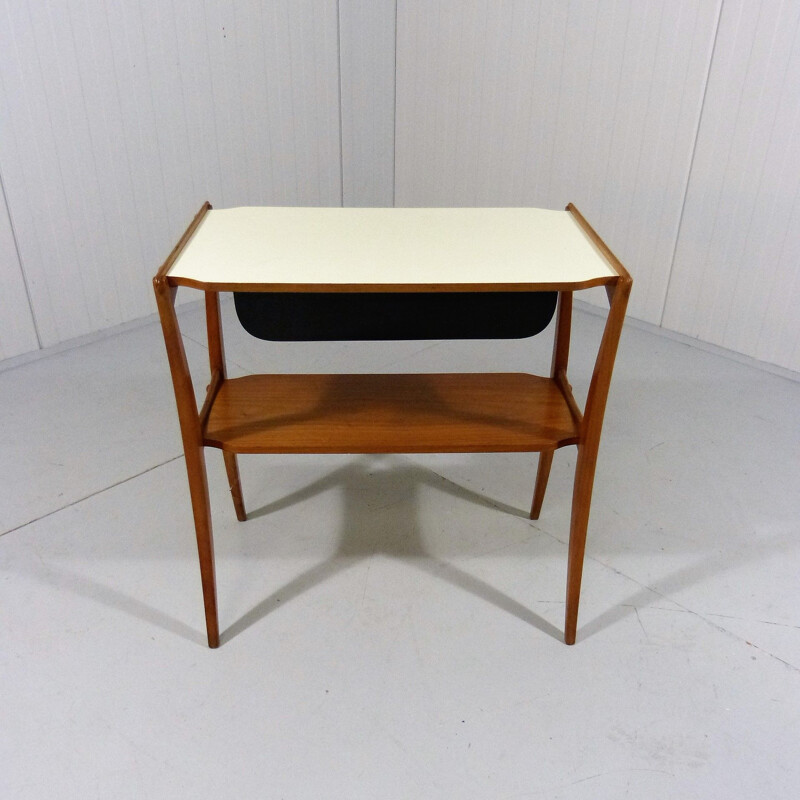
394	120
691	164
341	122
19	259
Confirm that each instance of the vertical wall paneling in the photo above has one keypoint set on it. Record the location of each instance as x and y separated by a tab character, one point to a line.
736	277
121	117
307	78
367	64
513	103
31	167
17	328
128	206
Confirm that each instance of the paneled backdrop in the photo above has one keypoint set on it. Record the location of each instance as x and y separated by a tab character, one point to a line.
671	123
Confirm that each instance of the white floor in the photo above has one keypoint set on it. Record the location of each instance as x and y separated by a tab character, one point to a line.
392	624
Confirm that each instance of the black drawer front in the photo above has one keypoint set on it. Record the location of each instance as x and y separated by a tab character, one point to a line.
372	316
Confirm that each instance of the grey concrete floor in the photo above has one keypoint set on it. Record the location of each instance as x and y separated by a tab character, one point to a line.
391	625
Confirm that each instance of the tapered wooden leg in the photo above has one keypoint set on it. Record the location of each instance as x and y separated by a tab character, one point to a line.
581	502
192	438
232	468
542	474
198	489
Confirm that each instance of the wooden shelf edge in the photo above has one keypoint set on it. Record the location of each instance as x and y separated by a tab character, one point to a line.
162	275
601	246
375	413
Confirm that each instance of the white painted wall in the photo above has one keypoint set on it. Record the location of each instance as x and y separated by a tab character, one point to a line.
670	124
367	36
17	328
508	103
736	278
120	117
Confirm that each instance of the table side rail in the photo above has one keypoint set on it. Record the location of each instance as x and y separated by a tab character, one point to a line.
391	287
182	242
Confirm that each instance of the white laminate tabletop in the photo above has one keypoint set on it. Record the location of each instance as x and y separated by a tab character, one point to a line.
389	246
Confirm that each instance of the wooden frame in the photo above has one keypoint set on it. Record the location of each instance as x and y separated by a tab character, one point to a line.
440	413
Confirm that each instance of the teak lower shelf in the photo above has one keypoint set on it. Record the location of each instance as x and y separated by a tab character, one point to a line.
436	413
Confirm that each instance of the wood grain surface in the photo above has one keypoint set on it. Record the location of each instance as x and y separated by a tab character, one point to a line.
438	413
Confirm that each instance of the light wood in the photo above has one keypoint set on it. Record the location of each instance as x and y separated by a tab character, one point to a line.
234	484
187	234
216	355
601	246
473	412
562	335
389	414
193	451
542	475
566	389
558	369
591	429
211	393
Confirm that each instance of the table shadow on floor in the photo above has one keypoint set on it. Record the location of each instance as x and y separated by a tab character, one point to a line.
380	516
